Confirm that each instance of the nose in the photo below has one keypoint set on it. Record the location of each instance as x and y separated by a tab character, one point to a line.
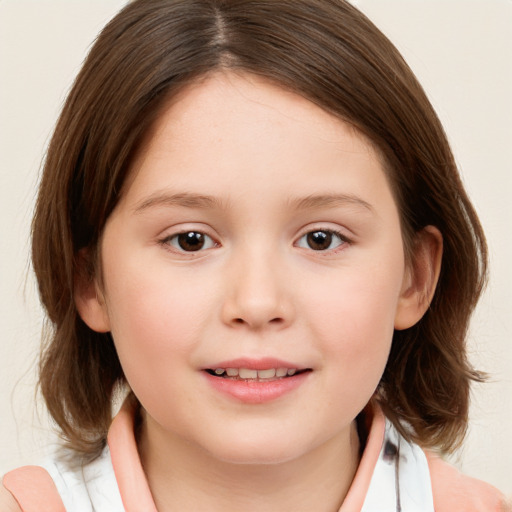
257	293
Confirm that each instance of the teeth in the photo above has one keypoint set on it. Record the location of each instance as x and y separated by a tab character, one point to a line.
247	373
266	374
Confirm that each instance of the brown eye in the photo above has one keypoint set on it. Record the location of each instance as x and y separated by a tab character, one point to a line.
321	240
190	241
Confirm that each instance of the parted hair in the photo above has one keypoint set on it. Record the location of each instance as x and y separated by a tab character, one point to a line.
324	50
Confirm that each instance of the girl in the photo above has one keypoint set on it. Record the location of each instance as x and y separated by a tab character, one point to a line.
250	222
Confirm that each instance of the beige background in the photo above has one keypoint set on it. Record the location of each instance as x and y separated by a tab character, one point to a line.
461	51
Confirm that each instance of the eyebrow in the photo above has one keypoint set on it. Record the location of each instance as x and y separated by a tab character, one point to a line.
313	202
203	202
183	199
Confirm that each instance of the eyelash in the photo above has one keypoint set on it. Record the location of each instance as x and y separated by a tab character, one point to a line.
167	242
343	239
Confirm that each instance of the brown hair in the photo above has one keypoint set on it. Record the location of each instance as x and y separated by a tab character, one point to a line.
324	50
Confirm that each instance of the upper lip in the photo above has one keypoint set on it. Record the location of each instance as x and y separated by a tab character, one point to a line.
255	364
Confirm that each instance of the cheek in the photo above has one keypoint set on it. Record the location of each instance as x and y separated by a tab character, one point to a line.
155	327
155	303
156	320
354	322
356	301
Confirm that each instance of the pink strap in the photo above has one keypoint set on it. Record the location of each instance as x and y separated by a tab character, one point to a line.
454	491
354	500
130	476
33	489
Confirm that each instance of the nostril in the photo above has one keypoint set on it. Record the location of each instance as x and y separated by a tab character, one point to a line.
273	321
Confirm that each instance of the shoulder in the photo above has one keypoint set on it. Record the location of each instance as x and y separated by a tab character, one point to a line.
454	491
65	481
7	501
29	489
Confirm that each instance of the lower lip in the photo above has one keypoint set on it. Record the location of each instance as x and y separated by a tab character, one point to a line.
256	392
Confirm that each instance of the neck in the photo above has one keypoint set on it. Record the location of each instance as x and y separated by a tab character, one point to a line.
183	476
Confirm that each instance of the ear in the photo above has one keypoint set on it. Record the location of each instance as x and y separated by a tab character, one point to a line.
420	277
89	298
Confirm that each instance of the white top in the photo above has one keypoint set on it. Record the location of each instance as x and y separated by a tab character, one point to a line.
89	488
399	480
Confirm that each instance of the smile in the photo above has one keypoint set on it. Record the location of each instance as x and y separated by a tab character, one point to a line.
252	374
255	381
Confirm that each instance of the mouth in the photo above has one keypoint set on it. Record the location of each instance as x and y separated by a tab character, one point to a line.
256	381
253	375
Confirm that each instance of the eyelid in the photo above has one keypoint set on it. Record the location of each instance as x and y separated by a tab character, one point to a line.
344	238
170	234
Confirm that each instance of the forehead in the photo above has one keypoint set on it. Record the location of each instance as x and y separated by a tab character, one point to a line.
230	130
248	98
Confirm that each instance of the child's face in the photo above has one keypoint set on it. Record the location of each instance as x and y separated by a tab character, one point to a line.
290	256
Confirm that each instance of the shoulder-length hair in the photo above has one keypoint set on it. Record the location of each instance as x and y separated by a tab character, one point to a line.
328	52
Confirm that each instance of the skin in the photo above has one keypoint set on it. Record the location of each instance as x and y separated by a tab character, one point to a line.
7	502
268	159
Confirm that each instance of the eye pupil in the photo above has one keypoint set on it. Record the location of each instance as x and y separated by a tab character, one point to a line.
319	240
191	241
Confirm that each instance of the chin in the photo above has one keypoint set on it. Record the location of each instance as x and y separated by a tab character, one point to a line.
259	451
